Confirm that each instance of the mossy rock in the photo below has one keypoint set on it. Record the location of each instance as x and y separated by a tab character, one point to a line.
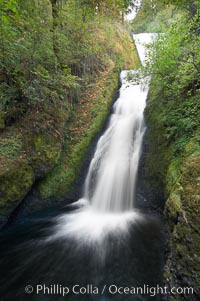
45	153
192	148
173	207
173	175
15	182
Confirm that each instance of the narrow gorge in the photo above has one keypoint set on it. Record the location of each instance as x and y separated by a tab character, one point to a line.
99	150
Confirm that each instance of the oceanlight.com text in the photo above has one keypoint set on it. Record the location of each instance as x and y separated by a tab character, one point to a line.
89	289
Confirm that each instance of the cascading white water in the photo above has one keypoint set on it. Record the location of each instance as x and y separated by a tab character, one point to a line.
107	203
111	179
141	40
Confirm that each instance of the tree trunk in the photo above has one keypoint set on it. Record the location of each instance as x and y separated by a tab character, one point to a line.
54	4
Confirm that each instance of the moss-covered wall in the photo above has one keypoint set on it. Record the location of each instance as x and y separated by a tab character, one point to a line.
182	217
28	151
172	170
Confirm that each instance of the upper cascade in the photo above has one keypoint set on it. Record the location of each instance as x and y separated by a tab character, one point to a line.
141	40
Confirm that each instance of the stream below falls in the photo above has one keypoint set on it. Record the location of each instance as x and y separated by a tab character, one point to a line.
100	247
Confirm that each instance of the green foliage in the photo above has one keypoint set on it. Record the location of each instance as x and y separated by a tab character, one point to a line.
149	16
191	6
175	59
29	73
173	108
109	7
50	48
175	67
163	20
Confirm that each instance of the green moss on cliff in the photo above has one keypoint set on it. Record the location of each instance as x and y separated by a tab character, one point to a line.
173	175
182	214
28	150
46	153
11	146
159	152
15	183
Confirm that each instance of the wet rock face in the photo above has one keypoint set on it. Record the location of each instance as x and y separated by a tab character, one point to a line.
150	186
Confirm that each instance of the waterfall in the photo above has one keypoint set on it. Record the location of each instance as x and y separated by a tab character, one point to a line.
110	183
101	241
111	180
108	199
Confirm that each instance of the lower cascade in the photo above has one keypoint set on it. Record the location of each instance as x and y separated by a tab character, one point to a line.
108	199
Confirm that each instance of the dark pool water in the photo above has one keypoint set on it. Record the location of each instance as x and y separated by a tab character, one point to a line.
134	260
